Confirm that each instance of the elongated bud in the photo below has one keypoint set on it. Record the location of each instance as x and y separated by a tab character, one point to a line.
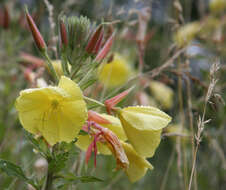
6	18
37	62
104	51
110	103
63	33
94	116
95	40
99	43
40	43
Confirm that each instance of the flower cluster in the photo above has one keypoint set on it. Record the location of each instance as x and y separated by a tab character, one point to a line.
59	113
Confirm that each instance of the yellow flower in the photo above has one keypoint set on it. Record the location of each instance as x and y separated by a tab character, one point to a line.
162	93
58	67
138	165
186	33
217	6
115	73
143	127
57	113
115	126
175	130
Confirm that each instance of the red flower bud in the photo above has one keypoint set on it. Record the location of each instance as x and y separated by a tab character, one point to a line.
110	103
6	18
40	43
104	51
94	116
63	33
95	40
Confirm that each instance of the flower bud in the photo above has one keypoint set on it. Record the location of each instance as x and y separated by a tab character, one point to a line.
6	18
63	33
186	34
39	41
162	93
94	43
41	166
110	103
104	51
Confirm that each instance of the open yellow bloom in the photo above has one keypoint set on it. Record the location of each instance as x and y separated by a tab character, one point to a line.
138	165
115	126
143	127
115	73
57	113
162	93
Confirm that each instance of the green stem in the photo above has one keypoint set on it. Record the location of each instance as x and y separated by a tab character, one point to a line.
49	181
94	101
50	66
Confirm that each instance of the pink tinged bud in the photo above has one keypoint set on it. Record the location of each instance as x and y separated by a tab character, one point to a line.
95	39
94	116
40	43
63	33
110	103
6	18
104	51
35	61
99	43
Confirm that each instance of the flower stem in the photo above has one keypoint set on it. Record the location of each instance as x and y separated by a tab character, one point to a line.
49	181
50	66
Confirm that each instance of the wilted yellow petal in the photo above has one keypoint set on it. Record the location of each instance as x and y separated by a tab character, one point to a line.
84	140
162	93
143	126
54	112
138	165
115	73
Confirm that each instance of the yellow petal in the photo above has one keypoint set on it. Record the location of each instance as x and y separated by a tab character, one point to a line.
138	165
71	88
145	117
31	105
115	126
115	73
143	127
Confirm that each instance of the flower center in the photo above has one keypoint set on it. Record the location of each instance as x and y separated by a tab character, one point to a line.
54	104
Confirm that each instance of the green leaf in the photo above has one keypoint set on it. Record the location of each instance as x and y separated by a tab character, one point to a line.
39	145
59	162
15	171
12	170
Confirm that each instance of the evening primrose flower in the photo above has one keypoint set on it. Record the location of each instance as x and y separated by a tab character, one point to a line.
143	126
138	165
186	34
56	113
114	73
162	93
